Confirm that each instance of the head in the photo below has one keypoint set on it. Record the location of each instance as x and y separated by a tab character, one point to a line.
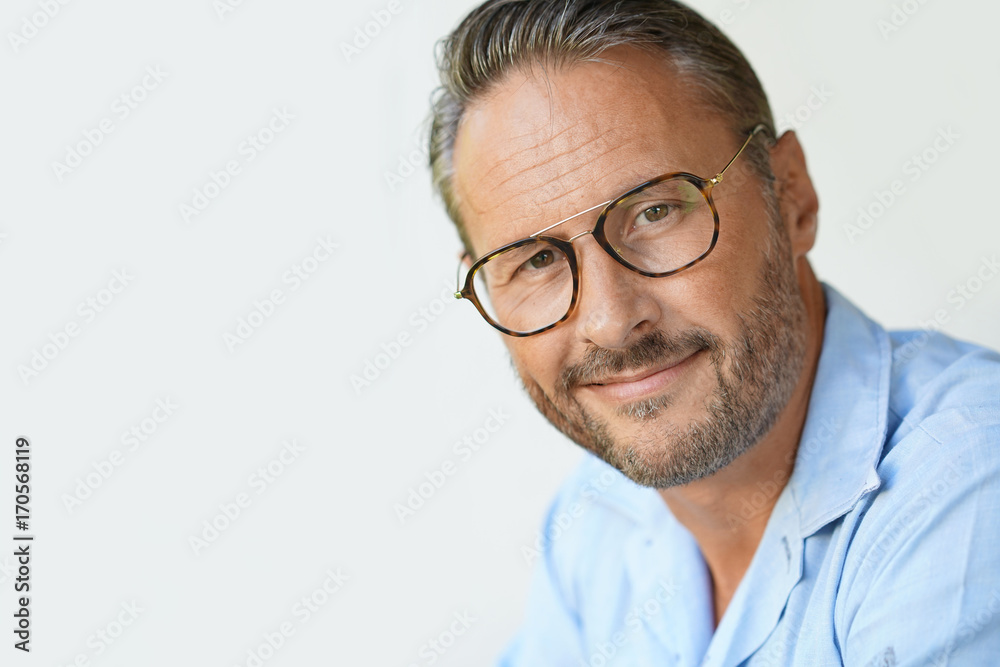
550	107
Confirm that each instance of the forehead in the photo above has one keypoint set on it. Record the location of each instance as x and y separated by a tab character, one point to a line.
545	144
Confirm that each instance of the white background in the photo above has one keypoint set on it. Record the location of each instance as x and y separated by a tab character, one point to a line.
325	175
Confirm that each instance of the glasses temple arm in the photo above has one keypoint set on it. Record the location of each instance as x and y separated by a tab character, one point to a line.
458	275
753	133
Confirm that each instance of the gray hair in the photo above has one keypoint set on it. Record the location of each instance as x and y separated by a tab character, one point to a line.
502	36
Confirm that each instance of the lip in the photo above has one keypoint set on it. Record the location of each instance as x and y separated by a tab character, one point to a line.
642	384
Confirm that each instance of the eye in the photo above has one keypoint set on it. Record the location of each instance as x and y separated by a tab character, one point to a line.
546	262
652	214
541	260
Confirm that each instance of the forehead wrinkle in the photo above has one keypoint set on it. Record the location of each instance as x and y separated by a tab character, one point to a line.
590	186
585	184
543	192
619	176
566	149
526	149
535	145
534	157
552	163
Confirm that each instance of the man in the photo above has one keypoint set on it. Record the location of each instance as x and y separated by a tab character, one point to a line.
806	488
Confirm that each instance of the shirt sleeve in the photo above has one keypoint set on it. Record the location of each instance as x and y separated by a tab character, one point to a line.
550	634
926	584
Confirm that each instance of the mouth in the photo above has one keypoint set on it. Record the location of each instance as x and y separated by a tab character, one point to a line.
641	384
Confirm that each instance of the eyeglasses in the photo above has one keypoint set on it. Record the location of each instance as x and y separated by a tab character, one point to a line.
658	229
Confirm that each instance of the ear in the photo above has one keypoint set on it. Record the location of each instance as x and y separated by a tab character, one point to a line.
796	195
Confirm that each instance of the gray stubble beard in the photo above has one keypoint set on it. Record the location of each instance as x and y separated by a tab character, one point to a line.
764	366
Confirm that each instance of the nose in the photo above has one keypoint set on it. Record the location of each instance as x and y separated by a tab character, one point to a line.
614	305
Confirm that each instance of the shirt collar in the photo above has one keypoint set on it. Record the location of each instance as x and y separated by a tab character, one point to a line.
841	444
843	435
847	420
842	441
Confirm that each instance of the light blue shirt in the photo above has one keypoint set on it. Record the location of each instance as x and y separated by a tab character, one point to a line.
883	548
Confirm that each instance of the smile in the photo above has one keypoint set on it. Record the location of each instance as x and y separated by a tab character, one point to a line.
642	384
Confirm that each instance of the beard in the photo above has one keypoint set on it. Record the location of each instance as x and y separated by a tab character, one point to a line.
755	376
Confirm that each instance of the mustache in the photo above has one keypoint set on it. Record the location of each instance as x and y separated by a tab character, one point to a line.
654	348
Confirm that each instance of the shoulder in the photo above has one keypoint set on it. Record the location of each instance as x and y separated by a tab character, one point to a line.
926	543
944	393
596	497
599	494
943	435
938	502
595	511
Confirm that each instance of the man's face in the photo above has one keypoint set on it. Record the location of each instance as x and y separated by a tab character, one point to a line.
668	379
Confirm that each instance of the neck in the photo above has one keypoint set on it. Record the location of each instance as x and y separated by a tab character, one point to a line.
715	509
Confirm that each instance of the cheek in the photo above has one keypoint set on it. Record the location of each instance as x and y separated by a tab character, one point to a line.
730	276
712	293
537	360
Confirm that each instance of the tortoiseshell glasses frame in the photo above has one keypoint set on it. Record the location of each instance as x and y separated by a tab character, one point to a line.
704	185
